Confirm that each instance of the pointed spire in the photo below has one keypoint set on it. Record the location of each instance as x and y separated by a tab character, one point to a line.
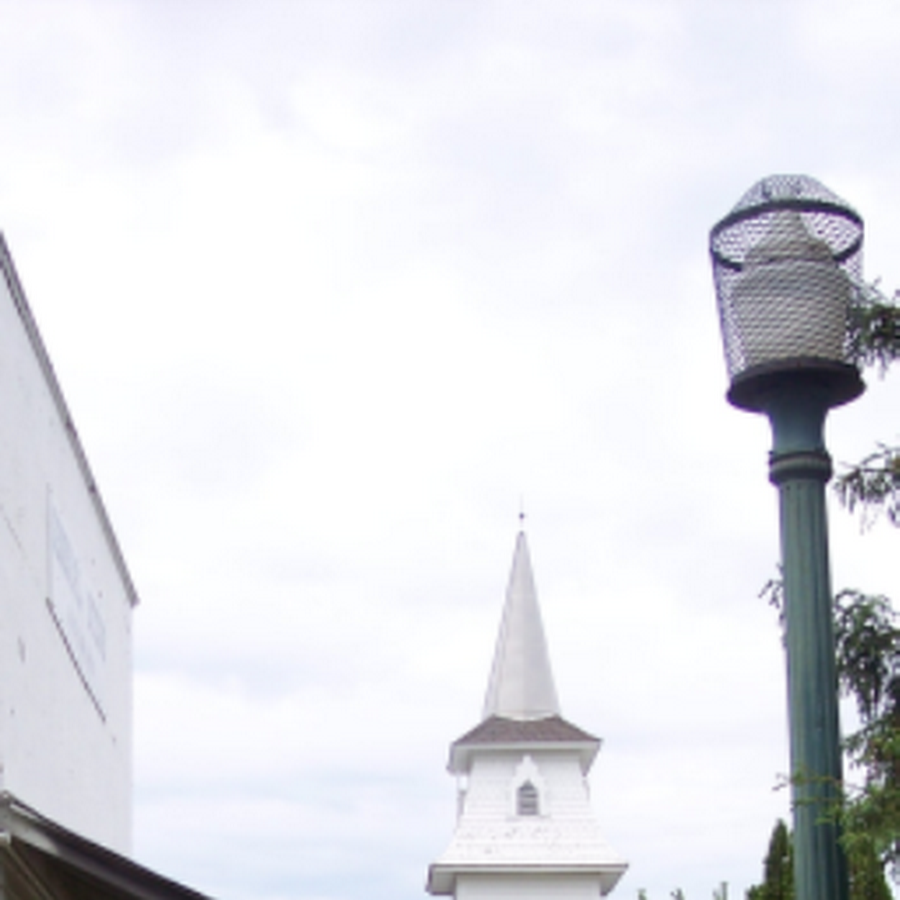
521	685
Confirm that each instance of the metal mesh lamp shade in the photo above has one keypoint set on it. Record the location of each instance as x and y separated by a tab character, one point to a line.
786	261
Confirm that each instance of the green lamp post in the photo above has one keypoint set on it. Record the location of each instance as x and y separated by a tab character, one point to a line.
785	262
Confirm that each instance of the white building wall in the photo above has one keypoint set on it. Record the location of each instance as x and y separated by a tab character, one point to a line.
494	777
527	887
489	832
65	677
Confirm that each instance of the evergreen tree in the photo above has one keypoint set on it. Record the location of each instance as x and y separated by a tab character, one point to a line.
778	868
867	880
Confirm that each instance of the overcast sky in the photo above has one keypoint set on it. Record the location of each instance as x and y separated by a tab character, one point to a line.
333	289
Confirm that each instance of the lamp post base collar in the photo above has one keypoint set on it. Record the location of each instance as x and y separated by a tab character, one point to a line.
814	464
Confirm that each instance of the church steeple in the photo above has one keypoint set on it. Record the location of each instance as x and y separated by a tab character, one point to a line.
521	684
524	821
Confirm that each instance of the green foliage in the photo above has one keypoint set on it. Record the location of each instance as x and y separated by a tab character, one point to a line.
868	652
867	881
868	657
868	641
874	327
778	868
773	593
867	645
873	484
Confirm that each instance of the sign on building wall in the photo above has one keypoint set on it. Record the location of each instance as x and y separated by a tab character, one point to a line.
72	602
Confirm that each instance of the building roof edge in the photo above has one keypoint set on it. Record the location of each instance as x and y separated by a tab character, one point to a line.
40	351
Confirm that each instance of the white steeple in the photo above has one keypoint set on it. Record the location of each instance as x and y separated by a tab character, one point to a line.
521	685
524	824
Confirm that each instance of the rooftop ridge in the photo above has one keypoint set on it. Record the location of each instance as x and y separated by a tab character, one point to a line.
499	730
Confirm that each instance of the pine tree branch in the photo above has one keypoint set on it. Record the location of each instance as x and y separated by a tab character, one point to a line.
873	327
873	485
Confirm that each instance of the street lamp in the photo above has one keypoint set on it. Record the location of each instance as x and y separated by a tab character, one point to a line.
786	261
